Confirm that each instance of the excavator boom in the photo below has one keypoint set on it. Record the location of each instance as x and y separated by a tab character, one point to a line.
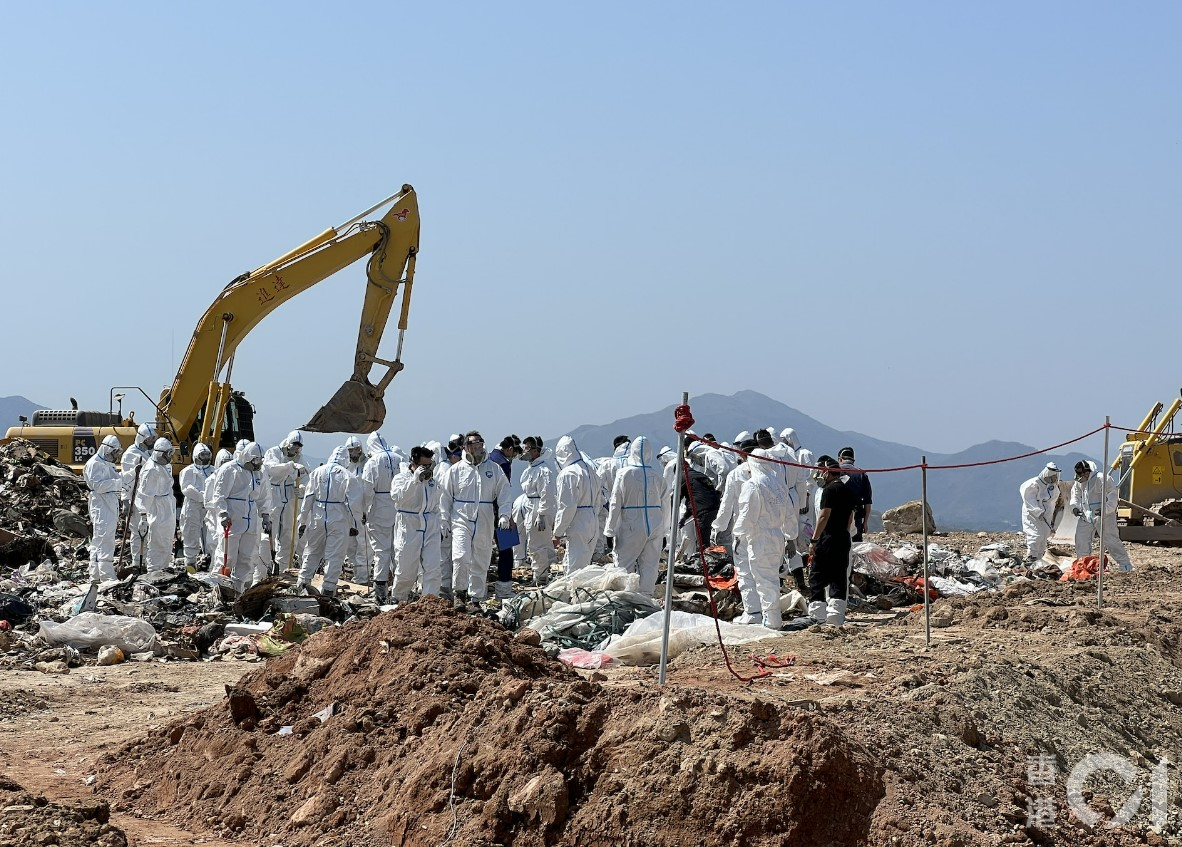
392	243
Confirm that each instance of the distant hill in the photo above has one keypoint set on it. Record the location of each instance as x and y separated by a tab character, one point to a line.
983	498
11	408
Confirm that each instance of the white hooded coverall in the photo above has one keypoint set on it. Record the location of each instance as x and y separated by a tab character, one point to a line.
194	539
416	537
577	494
380	468
1091	497
1038	510
723	521
357	546
212	528
156	504
327	513
133	457
638	514
238	494
767	517
283	474
105	483
537	484
467	494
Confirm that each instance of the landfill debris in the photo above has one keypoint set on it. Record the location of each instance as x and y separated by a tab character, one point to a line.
26	818
640	643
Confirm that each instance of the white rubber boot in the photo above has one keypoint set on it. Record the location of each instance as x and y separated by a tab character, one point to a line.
817	611
836	616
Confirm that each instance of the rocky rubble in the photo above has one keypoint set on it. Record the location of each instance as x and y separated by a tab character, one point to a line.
28	820
44	512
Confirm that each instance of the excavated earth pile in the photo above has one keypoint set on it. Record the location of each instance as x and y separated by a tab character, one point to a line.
437	727
28	819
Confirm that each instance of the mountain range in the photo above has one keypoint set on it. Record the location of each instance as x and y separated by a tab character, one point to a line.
11	409
982	498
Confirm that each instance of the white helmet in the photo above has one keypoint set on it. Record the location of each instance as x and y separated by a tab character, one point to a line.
110	449
145	436
251	456
293	444
162	451
202	455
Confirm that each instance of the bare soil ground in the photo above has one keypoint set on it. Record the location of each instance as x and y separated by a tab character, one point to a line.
447	730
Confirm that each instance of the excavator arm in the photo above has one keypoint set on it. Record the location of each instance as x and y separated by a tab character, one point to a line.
392	242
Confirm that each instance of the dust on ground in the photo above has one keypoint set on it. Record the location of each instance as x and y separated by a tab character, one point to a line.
448	730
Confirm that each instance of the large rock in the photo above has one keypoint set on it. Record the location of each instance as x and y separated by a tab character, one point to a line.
905	519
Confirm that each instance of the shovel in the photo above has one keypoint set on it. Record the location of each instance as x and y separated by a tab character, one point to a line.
225	571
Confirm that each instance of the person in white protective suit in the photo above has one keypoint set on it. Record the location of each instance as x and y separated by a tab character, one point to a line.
105	483
766	519
284	470
1039	496
212	529
1092	493
722	528
414	495
357	546
156	504
538	486
606	467
638	514
467	494
796	479
379	511
576	506
135	455
445	457
804	456
241	502
328	517
195	541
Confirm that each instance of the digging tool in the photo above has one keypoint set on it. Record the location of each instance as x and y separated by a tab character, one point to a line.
1150	512
295	519
127	515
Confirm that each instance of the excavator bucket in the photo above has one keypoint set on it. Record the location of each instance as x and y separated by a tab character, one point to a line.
356	407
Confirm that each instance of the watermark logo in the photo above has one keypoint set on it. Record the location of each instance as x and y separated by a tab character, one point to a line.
1042	773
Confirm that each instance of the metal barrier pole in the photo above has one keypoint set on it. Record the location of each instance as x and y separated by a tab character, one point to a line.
1103	503
677	478
923	516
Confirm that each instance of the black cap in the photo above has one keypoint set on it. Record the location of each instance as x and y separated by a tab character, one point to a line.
845	453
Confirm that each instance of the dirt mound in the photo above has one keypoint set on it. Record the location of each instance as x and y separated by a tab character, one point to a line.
441	728
31	819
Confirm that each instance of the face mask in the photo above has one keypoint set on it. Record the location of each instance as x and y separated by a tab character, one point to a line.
354	458
255	464
292	451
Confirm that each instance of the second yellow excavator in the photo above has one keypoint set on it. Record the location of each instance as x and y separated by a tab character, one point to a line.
201	406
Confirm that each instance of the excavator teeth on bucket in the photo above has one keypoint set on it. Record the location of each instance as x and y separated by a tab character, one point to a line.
356	407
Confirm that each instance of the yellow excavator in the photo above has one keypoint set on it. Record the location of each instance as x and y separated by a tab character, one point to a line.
1149	467
201	406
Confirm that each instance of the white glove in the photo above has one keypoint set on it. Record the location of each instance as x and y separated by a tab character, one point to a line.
540	523
267	524
445	529
1090	516
224	520
503	522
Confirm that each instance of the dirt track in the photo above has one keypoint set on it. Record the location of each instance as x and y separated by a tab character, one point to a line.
943	741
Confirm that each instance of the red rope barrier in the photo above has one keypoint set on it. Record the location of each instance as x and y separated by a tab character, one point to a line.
717	446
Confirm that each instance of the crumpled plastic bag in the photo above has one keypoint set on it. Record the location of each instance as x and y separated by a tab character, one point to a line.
91	630
873	560
640	643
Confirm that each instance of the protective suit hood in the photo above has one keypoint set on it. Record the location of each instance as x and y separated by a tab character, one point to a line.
376	444
162	451
639	452
566	451
252	454
145	436
439	451
110	448
202	455
293	444
788	436
340	456
223	456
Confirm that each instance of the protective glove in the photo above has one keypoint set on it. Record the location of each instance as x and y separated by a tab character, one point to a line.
122	507
445	530
363	518
713	538
1090	516
301	531
424	474
300	470
352	531
224	520
540	523
267	524
1077	511
610	544
805	510
503	522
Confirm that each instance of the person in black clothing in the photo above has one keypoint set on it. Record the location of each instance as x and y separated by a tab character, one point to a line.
706	500
829	550
503	455
859	484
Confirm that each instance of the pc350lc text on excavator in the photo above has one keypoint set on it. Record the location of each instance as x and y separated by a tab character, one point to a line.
201	405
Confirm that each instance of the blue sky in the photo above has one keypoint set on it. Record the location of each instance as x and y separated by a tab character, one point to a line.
934	223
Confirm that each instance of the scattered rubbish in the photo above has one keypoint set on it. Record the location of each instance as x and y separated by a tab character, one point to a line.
91	630
110	655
